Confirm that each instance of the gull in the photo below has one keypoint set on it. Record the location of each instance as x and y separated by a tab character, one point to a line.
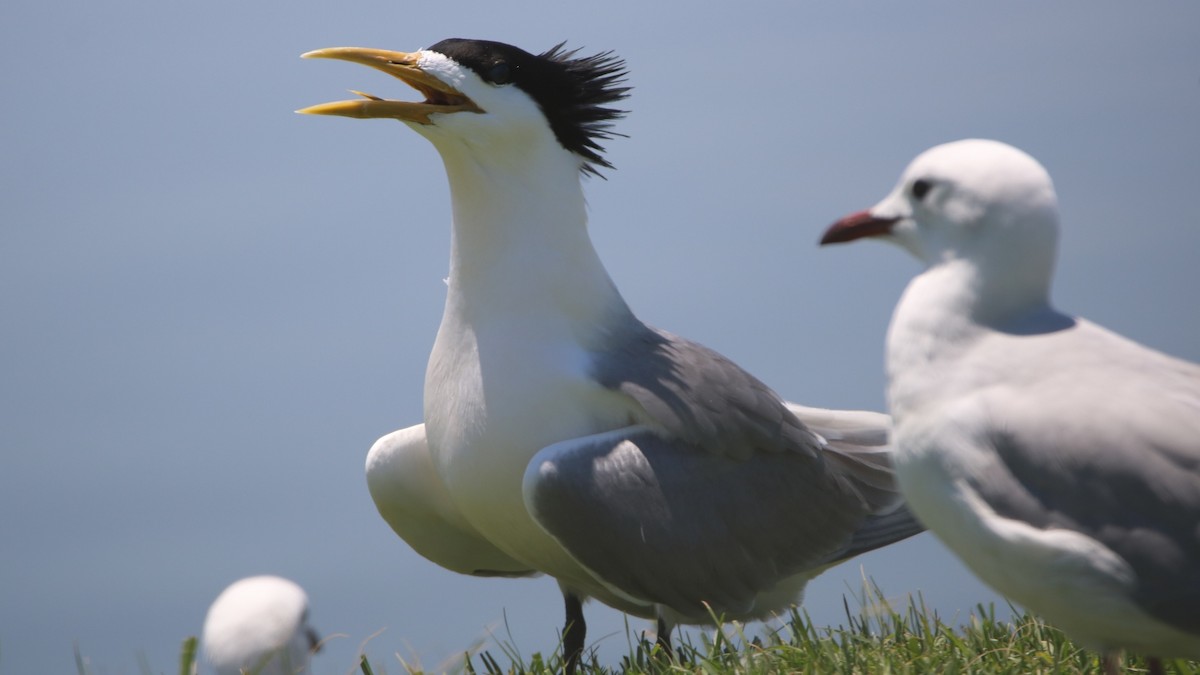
563	436
1059	460
259	625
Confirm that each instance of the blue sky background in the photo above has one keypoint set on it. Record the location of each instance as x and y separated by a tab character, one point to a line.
211	307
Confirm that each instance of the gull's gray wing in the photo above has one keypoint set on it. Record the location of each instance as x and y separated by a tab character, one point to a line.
660	521
1143	503
1105	441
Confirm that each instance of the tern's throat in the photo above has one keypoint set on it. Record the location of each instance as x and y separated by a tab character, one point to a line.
520	246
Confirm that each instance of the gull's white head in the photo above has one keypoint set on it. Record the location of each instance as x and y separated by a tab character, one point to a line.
494	101
259	625
981	202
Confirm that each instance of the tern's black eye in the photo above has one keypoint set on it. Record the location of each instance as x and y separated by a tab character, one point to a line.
920	188
500	73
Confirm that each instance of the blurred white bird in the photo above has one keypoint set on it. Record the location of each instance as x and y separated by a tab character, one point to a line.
1059	460
562	435
259	626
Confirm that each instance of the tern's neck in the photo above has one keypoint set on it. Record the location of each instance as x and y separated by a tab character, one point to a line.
520	246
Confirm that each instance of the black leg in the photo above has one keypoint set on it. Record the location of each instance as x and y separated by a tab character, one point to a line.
1110	663
664	638
574	633
1155	665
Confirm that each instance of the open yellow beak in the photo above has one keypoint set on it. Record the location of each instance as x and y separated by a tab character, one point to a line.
439	96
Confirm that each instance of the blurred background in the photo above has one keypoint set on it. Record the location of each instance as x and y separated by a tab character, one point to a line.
211	307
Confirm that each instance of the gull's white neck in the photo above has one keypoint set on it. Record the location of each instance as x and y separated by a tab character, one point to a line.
941	315
933	313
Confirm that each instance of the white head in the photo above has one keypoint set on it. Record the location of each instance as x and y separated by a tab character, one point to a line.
259	625
979	202
494	101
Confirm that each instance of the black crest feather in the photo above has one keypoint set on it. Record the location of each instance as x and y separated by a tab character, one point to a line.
573	92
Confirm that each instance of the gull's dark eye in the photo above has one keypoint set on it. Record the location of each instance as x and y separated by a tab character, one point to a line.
920	188
500	73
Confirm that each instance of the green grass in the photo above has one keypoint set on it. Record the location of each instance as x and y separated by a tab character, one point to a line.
876	640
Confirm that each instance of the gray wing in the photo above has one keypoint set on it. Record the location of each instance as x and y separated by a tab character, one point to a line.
1144	505
700	397
857	443
712	405
662	522
1106	442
